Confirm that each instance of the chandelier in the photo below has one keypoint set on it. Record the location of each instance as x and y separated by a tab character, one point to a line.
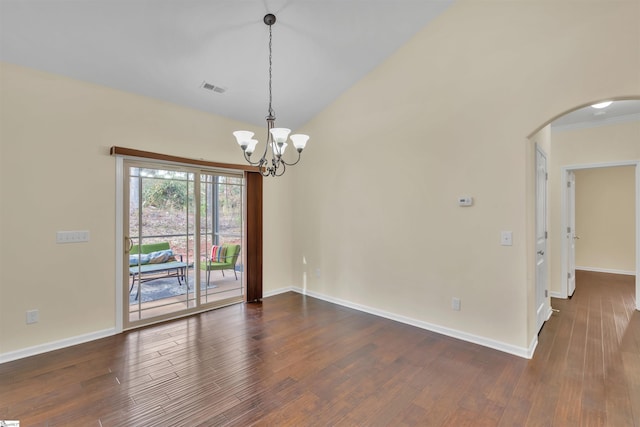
271	163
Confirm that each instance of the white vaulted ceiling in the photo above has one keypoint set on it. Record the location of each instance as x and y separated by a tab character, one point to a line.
166	49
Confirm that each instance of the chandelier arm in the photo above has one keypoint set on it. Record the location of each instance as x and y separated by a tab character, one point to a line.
248	159
294	163
271	170
264	170
263	159
284	167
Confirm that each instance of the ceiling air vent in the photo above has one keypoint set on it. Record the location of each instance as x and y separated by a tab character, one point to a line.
209	86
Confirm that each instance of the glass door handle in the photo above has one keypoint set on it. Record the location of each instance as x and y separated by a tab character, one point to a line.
128	247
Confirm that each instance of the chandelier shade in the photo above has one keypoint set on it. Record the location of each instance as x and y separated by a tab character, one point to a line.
272	162
280	135
299	141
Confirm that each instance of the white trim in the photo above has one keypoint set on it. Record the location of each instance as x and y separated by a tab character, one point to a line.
554	294
532	347
627	118
563	212
55	345
496	345
236	173
638	235
564	254
119	242
526	353
547	260
607	270
601	165
277	292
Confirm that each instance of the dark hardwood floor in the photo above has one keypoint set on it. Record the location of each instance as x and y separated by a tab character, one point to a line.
298	361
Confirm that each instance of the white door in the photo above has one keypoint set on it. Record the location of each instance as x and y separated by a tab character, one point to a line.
542	299
571	233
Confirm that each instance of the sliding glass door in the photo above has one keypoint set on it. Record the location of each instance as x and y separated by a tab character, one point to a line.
221	225
176	220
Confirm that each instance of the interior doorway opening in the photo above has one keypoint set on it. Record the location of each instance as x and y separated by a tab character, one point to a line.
568	210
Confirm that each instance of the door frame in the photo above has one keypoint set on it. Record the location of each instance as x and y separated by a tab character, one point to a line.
570	218
542	284
253	221
564	172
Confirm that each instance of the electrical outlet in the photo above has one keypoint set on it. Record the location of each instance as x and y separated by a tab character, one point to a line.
506	238
32	316
318	273
455	304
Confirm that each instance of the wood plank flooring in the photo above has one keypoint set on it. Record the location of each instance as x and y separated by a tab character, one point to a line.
298	361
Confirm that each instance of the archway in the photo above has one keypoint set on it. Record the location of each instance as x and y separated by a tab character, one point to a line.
617	153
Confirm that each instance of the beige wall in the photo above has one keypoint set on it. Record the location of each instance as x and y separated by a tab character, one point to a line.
373	204
590	146
606	218
447	115
56	174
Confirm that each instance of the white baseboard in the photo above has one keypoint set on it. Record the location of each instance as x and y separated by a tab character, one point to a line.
55	345
532	347
554	294
607	270
526	353
276	292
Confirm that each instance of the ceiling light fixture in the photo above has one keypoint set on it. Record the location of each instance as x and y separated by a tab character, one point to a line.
601	105
271	163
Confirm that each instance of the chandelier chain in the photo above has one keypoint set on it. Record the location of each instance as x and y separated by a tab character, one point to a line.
271	112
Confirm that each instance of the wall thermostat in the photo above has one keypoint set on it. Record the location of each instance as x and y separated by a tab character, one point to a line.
465	201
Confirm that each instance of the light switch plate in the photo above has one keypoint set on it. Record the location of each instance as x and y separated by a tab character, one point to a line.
72	236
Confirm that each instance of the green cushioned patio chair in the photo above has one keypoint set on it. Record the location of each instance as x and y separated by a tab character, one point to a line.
226	261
